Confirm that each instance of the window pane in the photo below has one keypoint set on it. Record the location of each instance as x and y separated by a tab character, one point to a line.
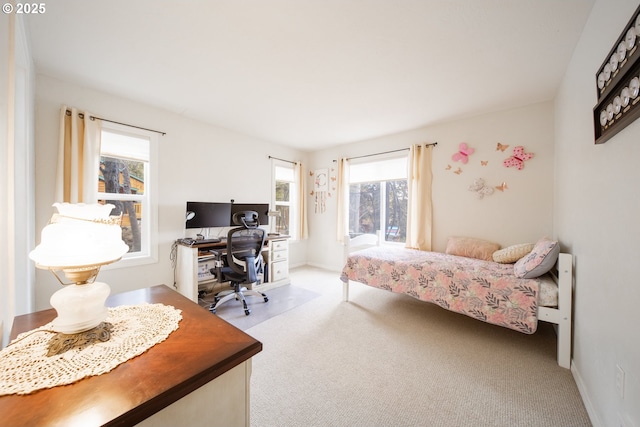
282	221
396	210
283	190
121	176
364	208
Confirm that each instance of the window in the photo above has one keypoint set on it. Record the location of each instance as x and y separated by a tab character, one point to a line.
378	196
126	180
284	200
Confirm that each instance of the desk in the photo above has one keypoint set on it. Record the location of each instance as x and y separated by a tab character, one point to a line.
199	375
275	254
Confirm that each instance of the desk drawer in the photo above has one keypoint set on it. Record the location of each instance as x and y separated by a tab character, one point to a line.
279	256
279	245
279	271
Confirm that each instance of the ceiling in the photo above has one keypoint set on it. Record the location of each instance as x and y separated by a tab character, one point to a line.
313	73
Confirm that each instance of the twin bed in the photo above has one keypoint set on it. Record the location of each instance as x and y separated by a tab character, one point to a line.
485	290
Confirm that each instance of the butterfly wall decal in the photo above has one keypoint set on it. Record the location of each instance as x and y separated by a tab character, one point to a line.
484	162
448	167
458	171
518	158
501	147
480	188
502	187
464	151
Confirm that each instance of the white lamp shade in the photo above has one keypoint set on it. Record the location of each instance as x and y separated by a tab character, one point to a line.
79	235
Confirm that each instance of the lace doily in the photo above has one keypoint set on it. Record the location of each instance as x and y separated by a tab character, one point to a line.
25	366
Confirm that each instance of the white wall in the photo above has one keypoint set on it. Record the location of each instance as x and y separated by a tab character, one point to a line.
197	162
597	218
522	213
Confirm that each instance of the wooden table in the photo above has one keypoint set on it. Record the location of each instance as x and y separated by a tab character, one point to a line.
206	359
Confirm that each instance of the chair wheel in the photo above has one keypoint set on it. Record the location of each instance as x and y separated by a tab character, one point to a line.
212	310
247	312
266	299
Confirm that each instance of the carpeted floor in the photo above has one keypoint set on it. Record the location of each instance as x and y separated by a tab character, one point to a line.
281	299
385	359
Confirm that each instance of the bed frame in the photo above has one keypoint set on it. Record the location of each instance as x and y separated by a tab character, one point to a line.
560	316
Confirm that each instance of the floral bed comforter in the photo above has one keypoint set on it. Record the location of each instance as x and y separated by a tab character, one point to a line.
484	290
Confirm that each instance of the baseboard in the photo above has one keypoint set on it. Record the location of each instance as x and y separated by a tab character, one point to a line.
582	389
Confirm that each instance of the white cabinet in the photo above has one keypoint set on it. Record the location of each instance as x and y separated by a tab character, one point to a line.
278	261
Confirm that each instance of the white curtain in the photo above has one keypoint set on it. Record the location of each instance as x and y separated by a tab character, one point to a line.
420	210
303	227
78	157
342	226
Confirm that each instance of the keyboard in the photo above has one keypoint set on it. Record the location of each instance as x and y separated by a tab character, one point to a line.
206	241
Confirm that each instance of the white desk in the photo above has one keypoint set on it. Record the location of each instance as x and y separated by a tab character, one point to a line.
189	259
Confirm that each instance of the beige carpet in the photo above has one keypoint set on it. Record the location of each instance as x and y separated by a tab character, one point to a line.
385	359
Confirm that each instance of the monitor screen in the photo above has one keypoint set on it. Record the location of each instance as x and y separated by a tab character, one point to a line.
261	208
207	214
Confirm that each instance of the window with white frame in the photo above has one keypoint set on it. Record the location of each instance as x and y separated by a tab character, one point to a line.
284	199
126	180
378	198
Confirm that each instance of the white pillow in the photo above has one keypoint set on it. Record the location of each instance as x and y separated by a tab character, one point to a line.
512	253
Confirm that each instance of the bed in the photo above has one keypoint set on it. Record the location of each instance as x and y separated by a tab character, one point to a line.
484	290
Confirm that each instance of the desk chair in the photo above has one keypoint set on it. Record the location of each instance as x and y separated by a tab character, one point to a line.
243	260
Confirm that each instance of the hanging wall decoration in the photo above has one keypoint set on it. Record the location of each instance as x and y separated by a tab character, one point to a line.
502	187
332	181
518	158
320	189
618	83
457	171
501	147
480	189
464	151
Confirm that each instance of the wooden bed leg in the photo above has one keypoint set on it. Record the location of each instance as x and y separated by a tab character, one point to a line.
565	304
564	344
345	291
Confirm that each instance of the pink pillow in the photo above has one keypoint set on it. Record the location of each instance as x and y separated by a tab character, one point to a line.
471	248
541	259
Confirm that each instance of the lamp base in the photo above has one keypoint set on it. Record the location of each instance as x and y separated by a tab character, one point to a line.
64	342
80	307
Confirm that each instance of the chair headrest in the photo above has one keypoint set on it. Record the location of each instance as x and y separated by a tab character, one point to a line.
248	219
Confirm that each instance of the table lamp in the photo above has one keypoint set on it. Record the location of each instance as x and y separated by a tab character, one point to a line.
78	240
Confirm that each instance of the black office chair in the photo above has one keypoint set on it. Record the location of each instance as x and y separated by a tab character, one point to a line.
244	260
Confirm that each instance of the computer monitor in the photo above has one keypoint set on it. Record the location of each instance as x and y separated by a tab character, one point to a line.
207	214
261	208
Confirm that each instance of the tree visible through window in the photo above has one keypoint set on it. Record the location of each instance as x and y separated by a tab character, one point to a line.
378	199
284	198
124	181
117	174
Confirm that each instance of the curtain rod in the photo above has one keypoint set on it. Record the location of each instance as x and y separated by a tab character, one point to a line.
283	160
81	115
385	152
